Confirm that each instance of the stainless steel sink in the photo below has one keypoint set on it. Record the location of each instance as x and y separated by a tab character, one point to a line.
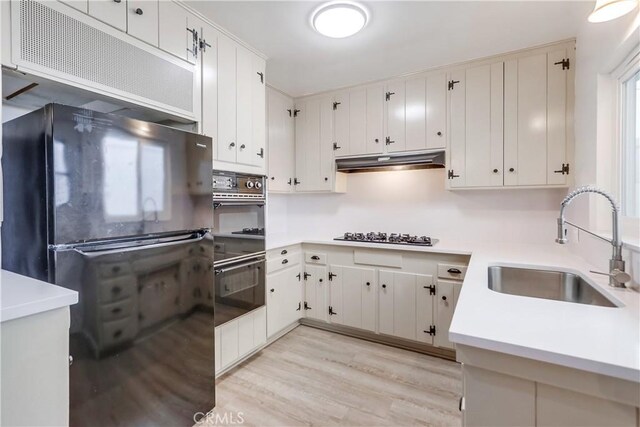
547	284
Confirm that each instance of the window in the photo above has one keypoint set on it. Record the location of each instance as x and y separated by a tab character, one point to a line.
630	143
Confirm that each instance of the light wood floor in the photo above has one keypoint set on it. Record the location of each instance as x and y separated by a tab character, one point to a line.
317	378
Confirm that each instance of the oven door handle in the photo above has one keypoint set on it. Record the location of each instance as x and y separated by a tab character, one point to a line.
217	205
219	271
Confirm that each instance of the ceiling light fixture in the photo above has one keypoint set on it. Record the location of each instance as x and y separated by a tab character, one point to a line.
606	10
339	19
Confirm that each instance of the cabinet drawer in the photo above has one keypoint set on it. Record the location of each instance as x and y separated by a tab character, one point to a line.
315	258
117	332
117	289
117	310
113	269
281	262
452	271
285	250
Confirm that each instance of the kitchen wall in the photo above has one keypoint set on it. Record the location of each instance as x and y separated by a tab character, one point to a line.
416	202
599	50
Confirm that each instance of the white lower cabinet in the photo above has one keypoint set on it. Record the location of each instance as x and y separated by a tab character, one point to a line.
315	292
352	297
239	337
446	298
284	299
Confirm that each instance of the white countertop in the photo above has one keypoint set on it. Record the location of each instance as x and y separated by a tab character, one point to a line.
22	296
603	340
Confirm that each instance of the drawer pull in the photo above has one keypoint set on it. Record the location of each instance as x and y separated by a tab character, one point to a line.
116	290
285	261
315	258
454	271
117	333
284	252
116	310
116	269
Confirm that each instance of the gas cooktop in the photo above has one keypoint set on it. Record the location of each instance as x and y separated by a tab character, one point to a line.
393	238
251	231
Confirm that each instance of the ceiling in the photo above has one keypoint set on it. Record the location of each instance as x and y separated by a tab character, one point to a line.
401	36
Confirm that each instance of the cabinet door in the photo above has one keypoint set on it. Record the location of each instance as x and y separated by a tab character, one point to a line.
526	120
446	299
477	126
358	121
375	119
259	327
174	36
315	295
209	58
415	114
110	12
245	335
314	136
395	96
226	144
557	136
385	302
228	343
404	305
436	110
283	299
337	282
244	109
341	121
424	309
280	132
258	111
142	21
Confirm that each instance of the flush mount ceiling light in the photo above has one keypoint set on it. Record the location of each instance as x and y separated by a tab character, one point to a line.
339	19
606	10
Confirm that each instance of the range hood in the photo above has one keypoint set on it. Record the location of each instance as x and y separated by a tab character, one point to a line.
394	161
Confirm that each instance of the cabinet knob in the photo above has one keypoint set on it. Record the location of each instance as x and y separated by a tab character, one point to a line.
272	290
233	144
495	171
512	170
444	298
376	140
283	252
320	280
439	133
272	178
242	147
384	286
117	1
326	179
138	11
368	283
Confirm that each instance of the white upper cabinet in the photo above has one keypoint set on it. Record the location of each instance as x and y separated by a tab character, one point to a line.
375	119
415	114
436	110
535	119
395	97
179	31
314	144
110	12
142	20
241	108
358	121
476	127
341	143
281	142
209	77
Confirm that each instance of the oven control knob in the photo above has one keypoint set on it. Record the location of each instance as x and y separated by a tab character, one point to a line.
249	184
258	185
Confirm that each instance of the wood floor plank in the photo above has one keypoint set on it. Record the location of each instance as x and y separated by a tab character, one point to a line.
312	377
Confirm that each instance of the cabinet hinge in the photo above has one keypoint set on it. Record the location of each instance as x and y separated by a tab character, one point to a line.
565	63
451	175
564	170
331	312
261	74
295	113
204	45
260	153
290	112
306	306
306	275
335	105
452	83
336	146
432	289
331	276
299	306
431	331
299	276
387	96
289	182
295	181
389	141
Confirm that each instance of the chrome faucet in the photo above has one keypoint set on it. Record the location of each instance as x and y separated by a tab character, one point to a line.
617	275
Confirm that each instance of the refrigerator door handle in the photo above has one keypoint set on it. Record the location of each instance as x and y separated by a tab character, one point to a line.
219	271
93	249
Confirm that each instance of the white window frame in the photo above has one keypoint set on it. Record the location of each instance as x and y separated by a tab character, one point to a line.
630	226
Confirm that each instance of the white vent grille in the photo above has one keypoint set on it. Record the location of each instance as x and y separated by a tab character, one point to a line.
51	39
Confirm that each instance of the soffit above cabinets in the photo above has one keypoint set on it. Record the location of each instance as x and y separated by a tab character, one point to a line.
401	37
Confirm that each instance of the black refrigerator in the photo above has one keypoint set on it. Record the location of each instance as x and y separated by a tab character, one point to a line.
119	210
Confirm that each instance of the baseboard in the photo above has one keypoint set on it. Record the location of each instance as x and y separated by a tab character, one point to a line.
430	350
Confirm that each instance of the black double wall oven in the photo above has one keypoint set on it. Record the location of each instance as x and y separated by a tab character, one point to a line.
239	244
